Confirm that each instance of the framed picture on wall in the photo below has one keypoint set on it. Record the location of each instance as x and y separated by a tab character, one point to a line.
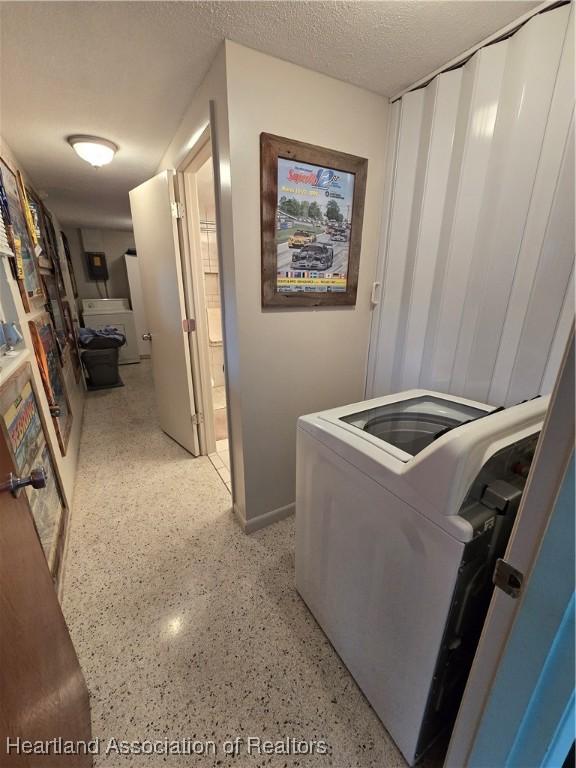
54	252
48	359
44	260
22	429
27	271
66	245
25	206
36	211
56	311
21	421
312	209
72	335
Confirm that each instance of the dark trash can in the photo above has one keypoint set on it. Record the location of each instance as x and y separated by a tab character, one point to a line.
101	366
100	356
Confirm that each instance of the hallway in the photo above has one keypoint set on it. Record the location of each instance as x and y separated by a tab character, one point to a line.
185	627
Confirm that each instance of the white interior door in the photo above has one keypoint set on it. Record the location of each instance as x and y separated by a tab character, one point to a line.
157	245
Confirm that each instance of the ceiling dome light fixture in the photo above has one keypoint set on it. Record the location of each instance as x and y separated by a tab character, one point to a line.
94	150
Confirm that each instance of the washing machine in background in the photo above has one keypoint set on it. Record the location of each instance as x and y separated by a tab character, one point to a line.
403	505
98	313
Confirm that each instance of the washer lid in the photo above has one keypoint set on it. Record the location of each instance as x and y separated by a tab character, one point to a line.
102	306
412	425
436	480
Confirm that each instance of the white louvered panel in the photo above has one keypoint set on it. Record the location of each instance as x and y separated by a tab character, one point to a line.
480	92
401	211
525	300
421	152
526	339
442	100
375	360
565	323
478	249
548	288
531	65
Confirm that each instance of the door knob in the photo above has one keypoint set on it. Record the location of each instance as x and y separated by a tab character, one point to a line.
36	478
146	337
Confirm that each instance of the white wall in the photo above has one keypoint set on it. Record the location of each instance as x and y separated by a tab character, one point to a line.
114	243
280	364
194	122
294	362
479	250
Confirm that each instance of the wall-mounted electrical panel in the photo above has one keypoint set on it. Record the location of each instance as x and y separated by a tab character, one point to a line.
96	265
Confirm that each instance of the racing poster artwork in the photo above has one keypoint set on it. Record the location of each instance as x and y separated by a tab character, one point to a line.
313	223
312	208
24	428
22	431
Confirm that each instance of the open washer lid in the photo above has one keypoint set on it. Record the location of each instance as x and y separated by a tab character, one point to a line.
404	424
451	440
413	424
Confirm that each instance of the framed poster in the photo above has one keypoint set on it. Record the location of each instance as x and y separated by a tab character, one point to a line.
21	421
66	245
312	208
22	428
24	204
54	252
35	207
27	272
48	359
72	327
56	311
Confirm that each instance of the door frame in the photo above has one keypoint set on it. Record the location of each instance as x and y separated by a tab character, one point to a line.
194	287
553	456
193	273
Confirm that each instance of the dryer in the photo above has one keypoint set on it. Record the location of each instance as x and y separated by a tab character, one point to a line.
100	313
403	505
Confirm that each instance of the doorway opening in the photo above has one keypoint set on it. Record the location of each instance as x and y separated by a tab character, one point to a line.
205	283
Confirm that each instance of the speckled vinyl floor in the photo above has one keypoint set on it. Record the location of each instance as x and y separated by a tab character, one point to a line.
185	627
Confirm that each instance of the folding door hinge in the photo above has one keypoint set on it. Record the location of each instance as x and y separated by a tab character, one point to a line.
177	210
198	418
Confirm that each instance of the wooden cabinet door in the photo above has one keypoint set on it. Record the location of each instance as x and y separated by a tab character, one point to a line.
42	688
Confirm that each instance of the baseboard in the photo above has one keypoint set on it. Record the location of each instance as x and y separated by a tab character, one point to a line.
262	521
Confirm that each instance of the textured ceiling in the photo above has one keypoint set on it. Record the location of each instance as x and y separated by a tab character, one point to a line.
127	71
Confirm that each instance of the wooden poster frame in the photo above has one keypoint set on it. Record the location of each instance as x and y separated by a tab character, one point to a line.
10	391
272	148
44	258
62	421
18	228
55	308
68	255
49	257
72	340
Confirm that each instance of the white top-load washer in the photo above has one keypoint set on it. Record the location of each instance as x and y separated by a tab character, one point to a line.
403	505
100	313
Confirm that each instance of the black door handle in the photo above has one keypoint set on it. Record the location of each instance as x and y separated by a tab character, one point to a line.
36	478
